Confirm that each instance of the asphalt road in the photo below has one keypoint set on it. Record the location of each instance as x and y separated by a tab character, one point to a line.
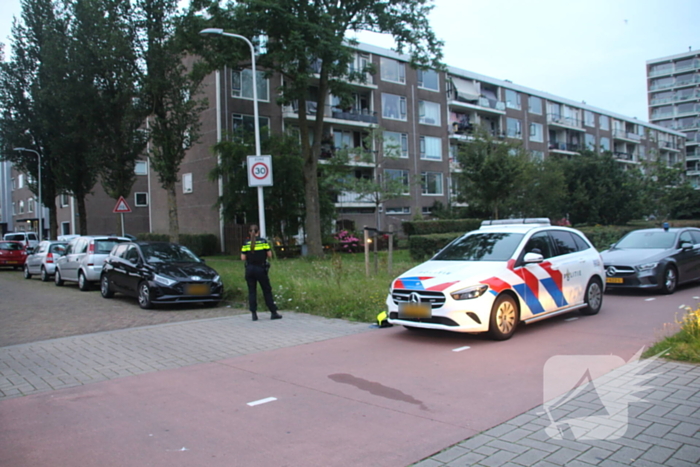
31	311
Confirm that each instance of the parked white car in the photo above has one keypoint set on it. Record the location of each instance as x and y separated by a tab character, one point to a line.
30	239
83	260
505	273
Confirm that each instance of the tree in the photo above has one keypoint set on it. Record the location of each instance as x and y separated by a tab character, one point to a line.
660	187
107	35
303	35
170	91
31	90
543	192
493	173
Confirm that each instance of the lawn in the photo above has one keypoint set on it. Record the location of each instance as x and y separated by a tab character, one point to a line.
335	286
684	346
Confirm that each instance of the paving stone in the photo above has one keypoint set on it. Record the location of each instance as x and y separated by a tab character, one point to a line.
497	459
530	457
688	453
467	460
450	454
626	455
562	456
428	463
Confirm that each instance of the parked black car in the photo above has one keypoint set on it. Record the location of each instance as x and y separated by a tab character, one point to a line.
659	259
159	272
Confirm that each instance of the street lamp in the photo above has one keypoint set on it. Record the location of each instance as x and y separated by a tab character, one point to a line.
41	210
256	123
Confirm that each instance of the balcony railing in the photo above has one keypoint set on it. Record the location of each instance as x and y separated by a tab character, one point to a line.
689	66
661	72
624	156
349	197
492	104
570	147
356	155
356	115
659	86
623	134
566	121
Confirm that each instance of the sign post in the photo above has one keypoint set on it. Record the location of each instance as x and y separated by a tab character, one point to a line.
260	175
120	209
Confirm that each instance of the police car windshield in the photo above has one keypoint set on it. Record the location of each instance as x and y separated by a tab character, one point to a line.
481	246
642	239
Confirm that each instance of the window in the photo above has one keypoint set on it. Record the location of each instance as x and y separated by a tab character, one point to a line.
535	104
428	79
604	122
536	132
429	113
14	209
430	148
64	200
141	168
65	228
590	142
21	206
187	183
14	183
30	205
537	155
20	181
564	242
245	124
431	183
242	84
604	144
399	210
589	118
393	107
392	70
395	144
141	199
398	175
512	99
540	243
514	128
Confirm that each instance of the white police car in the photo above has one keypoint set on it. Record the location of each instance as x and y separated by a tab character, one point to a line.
491	279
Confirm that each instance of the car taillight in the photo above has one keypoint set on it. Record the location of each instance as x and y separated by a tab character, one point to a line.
49	258
91	248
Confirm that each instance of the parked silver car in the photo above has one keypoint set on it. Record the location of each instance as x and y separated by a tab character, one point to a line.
30	239
84	258
43	260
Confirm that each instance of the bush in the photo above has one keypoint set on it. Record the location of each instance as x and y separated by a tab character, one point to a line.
423	247
201	244
440	226
153	237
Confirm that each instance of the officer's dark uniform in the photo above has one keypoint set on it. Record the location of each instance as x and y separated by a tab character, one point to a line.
256	267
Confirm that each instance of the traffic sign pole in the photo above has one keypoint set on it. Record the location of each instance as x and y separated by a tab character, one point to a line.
260	175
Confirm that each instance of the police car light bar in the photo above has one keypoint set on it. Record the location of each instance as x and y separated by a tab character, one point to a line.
530	220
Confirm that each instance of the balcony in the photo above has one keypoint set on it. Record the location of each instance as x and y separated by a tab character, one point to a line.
663	100
626	135
565	122
483	104
623	156
564	147
356	156
669	145
687	66
687	82
661	71
359	117
350	199
660	86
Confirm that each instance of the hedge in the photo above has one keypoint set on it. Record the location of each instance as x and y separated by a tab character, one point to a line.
200	244
423	247
440	226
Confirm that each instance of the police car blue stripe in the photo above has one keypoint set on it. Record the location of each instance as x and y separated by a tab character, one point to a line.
554	291
412	283
530	300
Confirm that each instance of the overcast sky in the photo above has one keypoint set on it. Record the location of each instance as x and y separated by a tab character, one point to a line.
583	50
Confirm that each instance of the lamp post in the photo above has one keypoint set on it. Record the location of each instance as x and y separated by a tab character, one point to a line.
256	123
41	210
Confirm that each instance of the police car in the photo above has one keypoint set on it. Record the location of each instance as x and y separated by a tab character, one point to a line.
492	279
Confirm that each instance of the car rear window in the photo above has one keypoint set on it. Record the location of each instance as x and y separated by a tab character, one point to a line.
103	247
11	246
15	237
492	246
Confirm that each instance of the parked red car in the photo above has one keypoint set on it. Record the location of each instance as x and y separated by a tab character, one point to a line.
12	254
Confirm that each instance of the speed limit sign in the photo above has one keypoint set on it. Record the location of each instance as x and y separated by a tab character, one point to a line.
259	170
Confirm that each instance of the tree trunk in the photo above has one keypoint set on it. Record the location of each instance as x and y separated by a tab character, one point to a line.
173	223
313	207
82	215
53	222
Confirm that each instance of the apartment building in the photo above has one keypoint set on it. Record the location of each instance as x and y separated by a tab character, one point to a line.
424	117
673	85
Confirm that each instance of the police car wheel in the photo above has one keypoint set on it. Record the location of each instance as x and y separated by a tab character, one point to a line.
504	318
593	297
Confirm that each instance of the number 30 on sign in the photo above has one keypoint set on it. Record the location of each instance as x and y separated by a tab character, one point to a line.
259	170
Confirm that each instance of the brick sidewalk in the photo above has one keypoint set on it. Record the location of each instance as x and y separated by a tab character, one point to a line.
662	429
73	361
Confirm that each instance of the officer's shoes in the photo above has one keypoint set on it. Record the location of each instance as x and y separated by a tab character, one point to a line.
275	315
255	316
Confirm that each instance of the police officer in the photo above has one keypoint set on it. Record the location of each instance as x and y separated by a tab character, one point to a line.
256	252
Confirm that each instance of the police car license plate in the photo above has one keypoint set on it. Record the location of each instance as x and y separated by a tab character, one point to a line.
614	280
197	289
414	310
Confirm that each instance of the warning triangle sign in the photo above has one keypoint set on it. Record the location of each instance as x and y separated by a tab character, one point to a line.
121	206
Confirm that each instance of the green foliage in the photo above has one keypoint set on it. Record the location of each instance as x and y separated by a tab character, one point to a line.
603	236
423	247
684	345
441	226
493	173
201	244
302	284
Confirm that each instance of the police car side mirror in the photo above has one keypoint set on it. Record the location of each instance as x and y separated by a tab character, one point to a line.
533	258
686	246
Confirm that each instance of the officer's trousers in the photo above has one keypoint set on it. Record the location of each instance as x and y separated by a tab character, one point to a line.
254	275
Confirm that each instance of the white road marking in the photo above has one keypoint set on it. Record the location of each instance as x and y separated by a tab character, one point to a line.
262	401
459	349
649	299
571	319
